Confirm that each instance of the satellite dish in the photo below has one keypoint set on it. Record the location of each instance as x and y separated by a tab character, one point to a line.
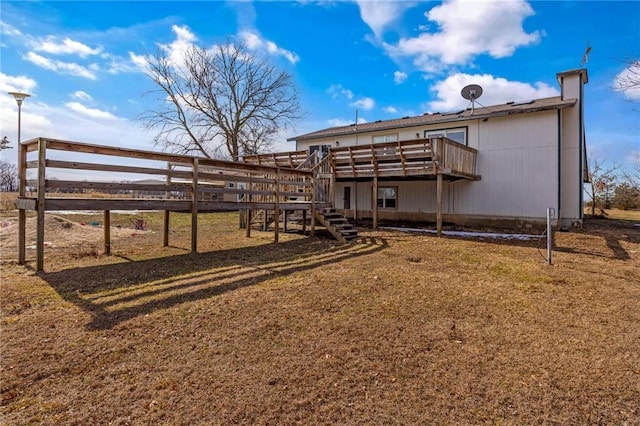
471	92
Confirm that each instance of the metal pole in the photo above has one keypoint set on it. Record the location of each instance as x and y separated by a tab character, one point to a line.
549	235
19	119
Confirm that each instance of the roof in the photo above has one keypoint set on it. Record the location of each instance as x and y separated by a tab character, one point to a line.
509	108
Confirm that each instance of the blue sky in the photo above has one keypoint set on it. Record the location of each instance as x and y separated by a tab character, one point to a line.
82	62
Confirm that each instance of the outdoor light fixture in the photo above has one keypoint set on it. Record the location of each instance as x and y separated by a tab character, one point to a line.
19	97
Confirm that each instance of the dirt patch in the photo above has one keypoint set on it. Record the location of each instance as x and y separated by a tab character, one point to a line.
397	328
59	232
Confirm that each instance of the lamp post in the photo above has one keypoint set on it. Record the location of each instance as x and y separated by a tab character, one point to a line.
19	97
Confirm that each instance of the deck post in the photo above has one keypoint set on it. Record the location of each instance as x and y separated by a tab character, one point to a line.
276	212
107	232
40	206
284	225
194	207
313	206
265	221
22	214
355	200
304	222
375	201
249	214
165	223
439	202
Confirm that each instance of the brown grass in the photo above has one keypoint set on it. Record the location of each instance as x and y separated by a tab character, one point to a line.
395	329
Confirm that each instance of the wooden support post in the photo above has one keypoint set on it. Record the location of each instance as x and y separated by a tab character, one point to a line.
107	232
375	202
165	223
276	212
248	223
439	202
40	206
22	214
165	229
284	224
304	222
313	206
265	224
194	207
355	200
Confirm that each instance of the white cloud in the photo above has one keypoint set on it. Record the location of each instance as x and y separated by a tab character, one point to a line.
90	112
20	83
70	68
339	122
467	29
379	14
139	61
9	30
67	47
364	103
391	110
254	42
337	90
80	95
64	122
177	48
117	64
399	77
624	81
496	90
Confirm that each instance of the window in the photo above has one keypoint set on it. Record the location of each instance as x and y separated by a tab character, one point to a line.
388	197
457	135
231	185
386	138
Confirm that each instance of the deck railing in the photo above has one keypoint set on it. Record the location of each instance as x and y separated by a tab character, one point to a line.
126	179
111	178
290	160
455	159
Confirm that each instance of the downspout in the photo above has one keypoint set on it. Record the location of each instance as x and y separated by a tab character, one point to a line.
558	212
581	145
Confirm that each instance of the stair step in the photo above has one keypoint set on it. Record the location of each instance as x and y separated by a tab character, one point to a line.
349	231
332	215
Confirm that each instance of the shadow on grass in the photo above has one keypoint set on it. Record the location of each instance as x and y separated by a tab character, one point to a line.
118	292
613	231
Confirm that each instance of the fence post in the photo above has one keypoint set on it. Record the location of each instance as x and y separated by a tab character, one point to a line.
194	207
22	214
276	212
40	206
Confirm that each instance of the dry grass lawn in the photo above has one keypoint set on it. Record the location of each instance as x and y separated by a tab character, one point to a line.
395	329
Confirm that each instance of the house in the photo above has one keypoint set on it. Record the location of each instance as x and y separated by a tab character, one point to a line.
501	165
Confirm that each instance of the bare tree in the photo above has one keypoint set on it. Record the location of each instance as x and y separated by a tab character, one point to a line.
223	102
602	182
630	78
8	177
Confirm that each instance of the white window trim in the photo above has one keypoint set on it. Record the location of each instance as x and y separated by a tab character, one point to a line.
395	188
394	138
427	133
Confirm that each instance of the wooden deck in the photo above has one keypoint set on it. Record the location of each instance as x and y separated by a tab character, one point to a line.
67	175
413	158
420	157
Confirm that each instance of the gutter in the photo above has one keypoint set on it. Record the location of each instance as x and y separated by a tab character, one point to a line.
349	130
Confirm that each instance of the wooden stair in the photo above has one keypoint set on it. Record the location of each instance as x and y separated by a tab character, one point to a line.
337	225
258	221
